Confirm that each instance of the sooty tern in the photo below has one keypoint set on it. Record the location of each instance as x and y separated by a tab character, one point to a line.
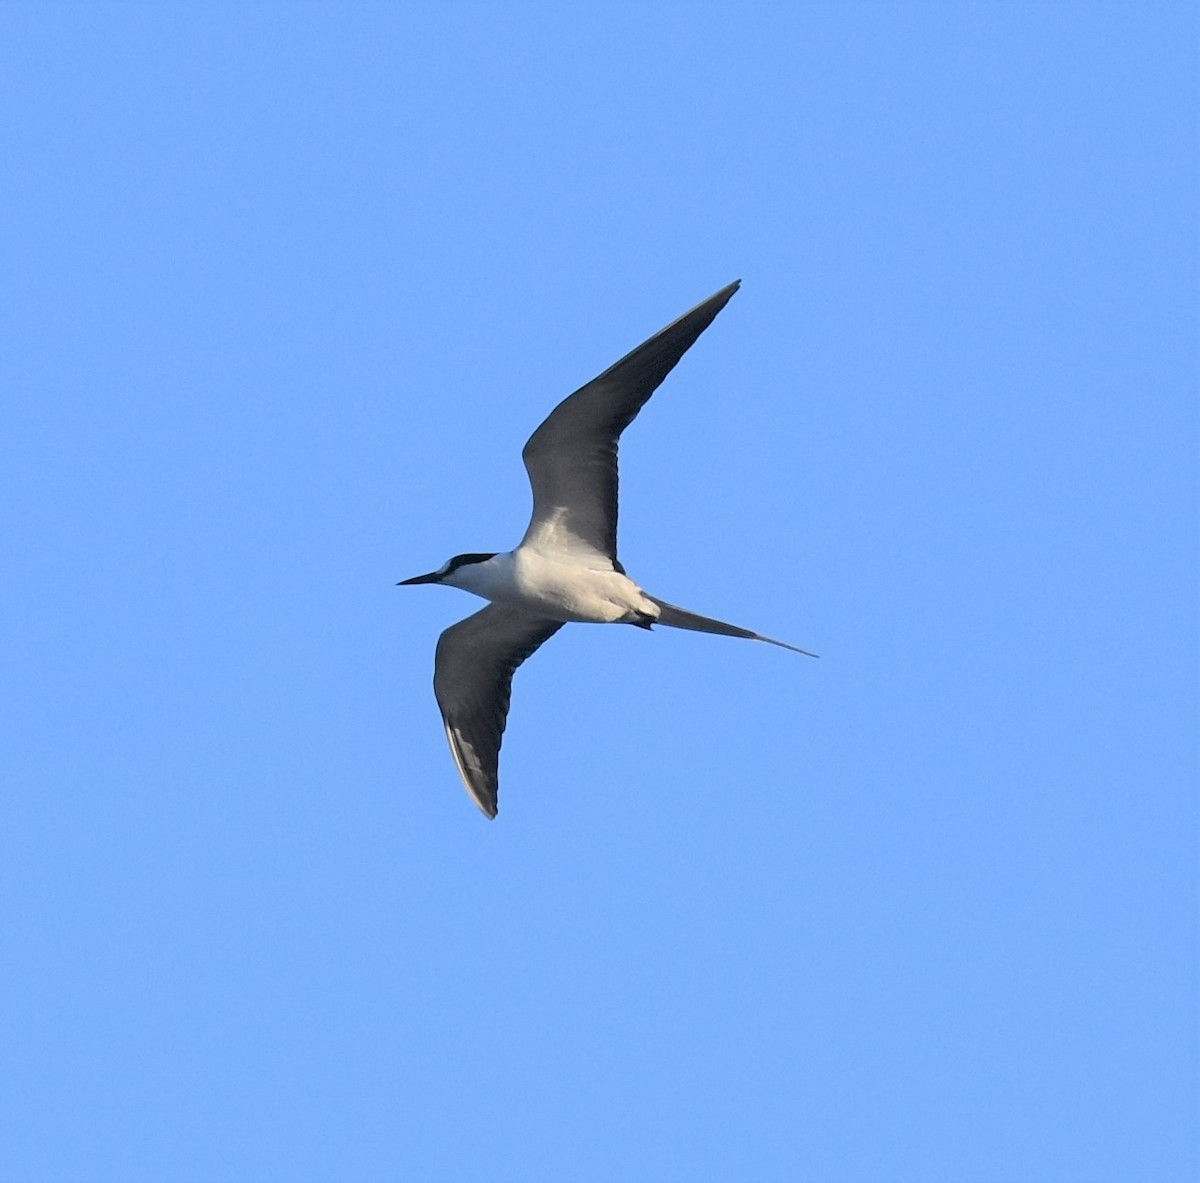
565	567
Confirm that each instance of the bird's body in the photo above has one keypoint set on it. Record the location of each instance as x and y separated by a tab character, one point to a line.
565	568
558	586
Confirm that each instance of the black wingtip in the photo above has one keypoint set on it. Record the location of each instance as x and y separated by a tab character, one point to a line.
713	304
718	300
682	333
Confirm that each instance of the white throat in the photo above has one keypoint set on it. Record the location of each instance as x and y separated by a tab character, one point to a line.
489	579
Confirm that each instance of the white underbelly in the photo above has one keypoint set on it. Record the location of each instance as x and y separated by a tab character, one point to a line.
570	591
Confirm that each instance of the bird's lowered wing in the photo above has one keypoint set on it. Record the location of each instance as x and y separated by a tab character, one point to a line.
472	679
572	457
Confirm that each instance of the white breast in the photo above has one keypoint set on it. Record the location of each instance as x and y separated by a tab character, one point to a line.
558	588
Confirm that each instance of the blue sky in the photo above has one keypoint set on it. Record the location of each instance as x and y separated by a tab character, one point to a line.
286	289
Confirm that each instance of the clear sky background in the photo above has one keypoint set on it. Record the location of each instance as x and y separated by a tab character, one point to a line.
285	289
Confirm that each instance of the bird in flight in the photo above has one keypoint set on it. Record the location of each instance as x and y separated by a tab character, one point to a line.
566	566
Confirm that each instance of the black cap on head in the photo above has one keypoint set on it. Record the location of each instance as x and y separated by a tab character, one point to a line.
464	560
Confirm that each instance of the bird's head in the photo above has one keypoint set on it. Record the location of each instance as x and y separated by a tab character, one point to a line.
455	572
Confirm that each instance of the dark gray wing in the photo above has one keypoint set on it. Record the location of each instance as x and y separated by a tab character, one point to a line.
572	458
472	679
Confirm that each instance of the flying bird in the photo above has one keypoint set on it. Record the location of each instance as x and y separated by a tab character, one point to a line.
566	566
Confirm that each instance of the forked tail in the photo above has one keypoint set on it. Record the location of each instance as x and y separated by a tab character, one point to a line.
674	617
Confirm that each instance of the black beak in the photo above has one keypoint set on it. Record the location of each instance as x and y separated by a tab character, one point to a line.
432	577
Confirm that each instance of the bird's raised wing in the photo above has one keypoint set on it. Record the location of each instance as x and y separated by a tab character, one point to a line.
572	458
472	680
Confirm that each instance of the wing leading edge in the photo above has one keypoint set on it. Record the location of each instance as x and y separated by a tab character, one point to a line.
572	457
472	681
